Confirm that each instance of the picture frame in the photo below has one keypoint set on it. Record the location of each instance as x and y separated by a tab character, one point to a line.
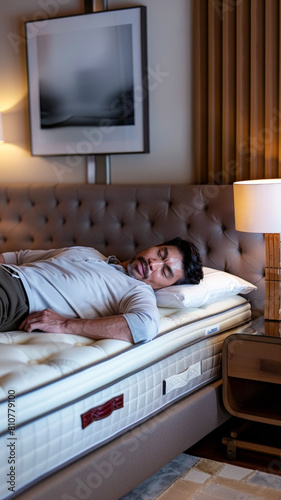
87	83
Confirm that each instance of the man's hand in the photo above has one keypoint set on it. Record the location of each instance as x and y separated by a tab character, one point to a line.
46	321
110	327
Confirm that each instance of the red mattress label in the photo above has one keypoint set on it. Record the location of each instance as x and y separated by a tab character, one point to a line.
102	411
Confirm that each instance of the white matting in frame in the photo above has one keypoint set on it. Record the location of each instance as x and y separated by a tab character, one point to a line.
88	83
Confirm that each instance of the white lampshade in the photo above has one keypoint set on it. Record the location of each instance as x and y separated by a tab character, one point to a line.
1	129
257	206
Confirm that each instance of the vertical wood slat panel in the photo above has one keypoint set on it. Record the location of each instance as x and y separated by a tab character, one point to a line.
249	148
228	96
215	92
277	121
201	91
271	86
257	89
243	91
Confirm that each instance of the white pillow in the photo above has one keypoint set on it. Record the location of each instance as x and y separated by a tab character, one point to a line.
213	286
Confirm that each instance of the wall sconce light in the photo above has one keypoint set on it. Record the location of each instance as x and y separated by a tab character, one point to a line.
1	129
257	207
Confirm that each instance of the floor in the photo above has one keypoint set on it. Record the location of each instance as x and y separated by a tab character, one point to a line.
212	448
212	480
205	471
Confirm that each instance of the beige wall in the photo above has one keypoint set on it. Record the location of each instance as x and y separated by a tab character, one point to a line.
170	61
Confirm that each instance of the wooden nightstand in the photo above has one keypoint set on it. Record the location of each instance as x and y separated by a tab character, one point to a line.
251	372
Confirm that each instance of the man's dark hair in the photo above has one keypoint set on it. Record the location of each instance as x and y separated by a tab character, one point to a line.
192	261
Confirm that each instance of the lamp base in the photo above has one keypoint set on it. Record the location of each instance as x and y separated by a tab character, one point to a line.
272	328
272	307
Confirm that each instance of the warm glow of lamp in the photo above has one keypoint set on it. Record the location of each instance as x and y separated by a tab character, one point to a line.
257	207
1	129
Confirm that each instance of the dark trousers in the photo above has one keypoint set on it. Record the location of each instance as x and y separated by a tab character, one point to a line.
13	301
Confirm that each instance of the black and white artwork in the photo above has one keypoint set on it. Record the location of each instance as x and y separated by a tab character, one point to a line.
87	76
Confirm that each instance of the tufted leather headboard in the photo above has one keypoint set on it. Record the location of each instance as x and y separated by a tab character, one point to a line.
124	219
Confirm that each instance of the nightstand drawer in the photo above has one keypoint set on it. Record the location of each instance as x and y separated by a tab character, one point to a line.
255	360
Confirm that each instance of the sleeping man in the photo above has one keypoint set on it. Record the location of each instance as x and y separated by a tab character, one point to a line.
77	290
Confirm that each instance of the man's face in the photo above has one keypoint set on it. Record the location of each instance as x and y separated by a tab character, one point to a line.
158	266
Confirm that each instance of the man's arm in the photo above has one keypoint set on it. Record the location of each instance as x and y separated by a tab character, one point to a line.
20	257
111	327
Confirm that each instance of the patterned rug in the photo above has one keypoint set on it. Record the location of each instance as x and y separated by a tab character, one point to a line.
189	477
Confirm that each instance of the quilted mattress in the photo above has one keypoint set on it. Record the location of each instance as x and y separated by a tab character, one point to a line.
62	396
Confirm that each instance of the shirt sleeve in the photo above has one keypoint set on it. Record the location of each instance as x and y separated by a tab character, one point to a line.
141	313
27	256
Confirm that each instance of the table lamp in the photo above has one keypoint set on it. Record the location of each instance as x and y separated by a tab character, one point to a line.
257	209
1	129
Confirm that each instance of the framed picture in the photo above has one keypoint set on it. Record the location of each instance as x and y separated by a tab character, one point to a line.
87	79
